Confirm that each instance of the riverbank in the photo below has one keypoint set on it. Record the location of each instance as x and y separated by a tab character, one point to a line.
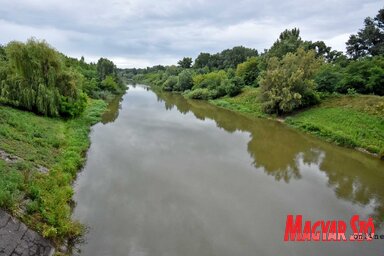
354	121
40	159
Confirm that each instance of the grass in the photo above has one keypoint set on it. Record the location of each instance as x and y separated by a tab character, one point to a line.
369	104
352	121
355	121
345	127
246	102
43	200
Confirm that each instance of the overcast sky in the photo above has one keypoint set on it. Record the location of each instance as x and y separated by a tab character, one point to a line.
140	33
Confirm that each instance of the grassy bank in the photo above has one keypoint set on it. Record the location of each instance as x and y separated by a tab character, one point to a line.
246	102
42	158
352	121
355	121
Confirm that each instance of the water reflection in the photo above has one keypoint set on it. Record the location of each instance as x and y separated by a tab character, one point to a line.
285	154
113	109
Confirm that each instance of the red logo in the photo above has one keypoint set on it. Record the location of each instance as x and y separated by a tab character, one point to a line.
328	230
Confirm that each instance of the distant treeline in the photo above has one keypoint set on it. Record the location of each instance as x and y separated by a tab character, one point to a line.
36	77
292	74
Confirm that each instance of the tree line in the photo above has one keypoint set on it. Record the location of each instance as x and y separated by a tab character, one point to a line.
291	74
36	77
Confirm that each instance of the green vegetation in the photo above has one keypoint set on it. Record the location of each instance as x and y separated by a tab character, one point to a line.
246	102
37	78
288	78
288	84
369	41
351	121
42	199
34	78
185	62
41	154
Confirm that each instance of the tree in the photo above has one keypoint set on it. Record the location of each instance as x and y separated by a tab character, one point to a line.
328	78
369	41
202	60
365	76
105	67
36	79
288	41
185	80
3	55
170	83
249	71
288	84
186	62
324	51
230	58
110	84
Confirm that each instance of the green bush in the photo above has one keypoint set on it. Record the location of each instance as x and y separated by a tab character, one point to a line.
288	84
366	76
185	81
249	71
328	78
35	78
170	83
109	84
234	86
199	94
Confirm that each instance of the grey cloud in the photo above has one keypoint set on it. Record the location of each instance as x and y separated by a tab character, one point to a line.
160	32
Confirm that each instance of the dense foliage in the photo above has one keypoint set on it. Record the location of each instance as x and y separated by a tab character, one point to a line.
288	84
36	77
292	74
229	58
185	62
369	41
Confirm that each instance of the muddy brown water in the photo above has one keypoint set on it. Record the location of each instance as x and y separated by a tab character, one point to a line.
166	176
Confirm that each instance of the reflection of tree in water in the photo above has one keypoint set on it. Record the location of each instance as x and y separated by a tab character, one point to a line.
281	152
356	179
112	112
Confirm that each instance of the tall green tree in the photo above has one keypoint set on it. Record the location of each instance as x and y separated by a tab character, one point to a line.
324	51
288	84
185	81
365	76
202	60
105	67
36	79
249	71
369	41
230	58
186	62
288	42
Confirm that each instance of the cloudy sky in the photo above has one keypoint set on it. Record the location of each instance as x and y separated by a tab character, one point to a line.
140	33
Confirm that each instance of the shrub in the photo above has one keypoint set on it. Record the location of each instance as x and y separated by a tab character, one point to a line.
249	71
211	80
185	81
328	78
170	83
366	76
35	78
200	94
234	87
288	84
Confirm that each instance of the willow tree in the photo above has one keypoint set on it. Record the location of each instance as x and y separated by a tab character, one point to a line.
36	79
288	84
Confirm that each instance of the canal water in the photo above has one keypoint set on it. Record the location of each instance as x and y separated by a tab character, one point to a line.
166	176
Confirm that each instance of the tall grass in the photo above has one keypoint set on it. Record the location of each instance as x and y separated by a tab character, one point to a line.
43	200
